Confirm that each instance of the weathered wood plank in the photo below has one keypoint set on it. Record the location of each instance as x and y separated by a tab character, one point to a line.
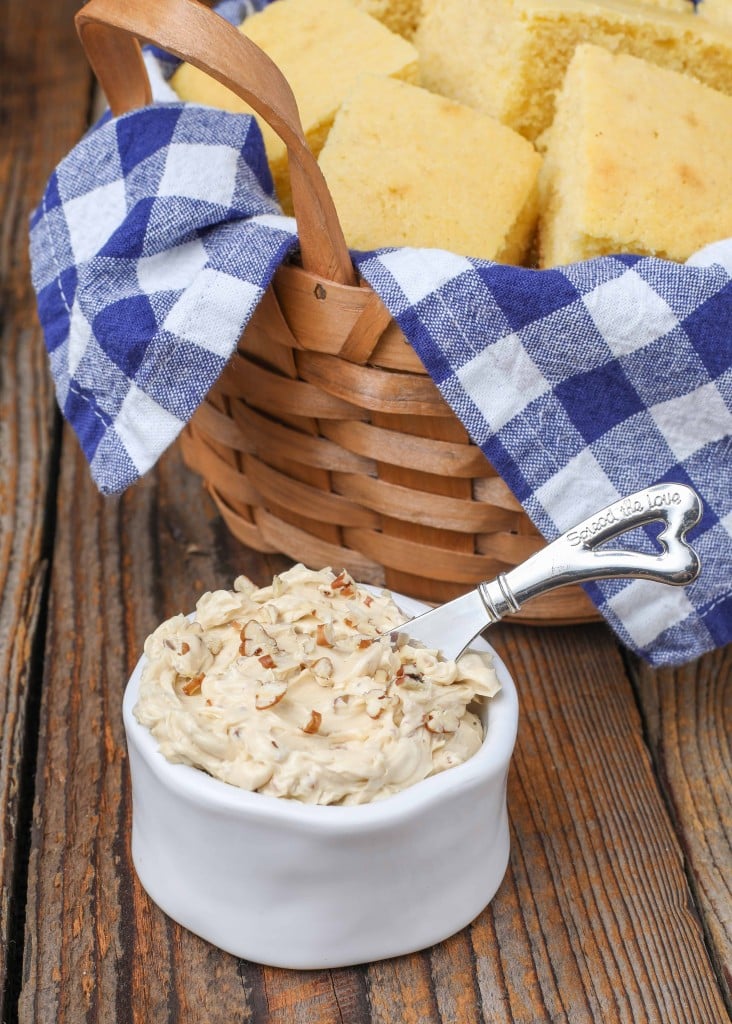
600	924
688	717
37	56
594	920
96	948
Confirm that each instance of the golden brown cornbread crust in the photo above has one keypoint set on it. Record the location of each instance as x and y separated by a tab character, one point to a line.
395	183
401	16
509	57
637	161
407	167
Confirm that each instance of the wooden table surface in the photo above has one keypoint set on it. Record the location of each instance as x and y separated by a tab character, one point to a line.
616	903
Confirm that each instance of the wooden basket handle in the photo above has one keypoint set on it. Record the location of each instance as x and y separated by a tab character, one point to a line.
111	32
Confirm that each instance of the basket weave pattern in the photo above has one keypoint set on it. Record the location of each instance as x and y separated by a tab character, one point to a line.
325	439
309	445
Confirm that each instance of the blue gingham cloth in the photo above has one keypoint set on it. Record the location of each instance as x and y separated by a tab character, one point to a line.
584	384
158	234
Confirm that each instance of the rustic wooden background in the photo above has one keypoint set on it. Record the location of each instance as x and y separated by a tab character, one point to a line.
616	905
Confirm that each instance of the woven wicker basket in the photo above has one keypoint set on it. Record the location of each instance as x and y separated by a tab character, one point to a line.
325	439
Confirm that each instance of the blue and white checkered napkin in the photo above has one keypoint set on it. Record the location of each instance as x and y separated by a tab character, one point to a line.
155	239
584	384
158	234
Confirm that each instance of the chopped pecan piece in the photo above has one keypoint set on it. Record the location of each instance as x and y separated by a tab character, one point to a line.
376	702
323	668
313	723
409	676
270	693
324	634
193	686
256	640
344	583
441	720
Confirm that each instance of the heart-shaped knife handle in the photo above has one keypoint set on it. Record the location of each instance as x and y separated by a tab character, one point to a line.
577	556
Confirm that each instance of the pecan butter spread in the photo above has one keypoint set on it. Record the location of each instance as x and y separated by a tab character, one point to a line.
290	690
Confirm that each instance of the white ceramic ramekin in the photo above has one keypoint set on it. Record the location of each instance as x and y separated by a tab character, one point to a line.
293	885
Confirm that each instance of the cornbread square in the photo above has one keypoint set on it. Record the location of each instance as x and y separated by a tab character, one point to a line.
321	47
638	160
509	57
465	52
407	167
400	16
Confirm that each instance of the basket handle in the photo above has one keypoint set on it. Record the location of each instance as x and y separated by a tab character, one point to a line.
111	32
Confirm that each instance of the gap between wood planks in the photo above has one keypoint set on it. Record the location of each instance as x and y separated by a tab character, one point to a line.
633	669
28	763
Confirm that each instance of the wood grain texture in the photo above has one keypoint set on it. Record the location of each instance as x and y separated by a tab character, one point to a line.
37	54
606	927
616	905
594	921
688	716
94	948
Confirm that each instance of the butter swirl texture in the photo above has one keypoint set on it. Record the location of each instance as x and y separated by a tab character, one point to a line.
292	691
